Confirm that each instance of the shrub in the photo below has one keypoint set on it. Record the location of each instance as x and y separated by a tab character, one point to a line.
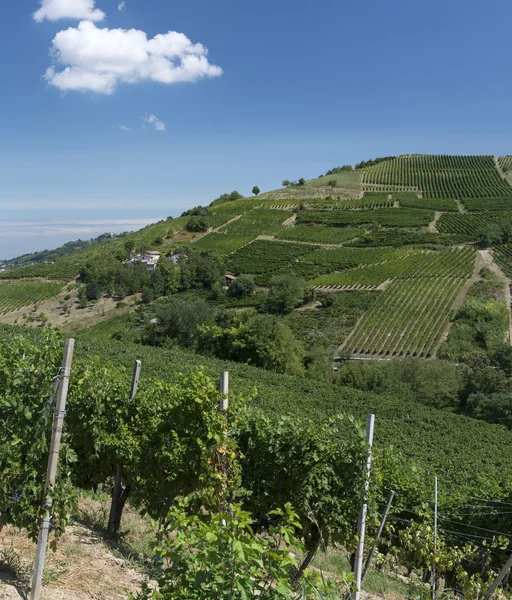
241	287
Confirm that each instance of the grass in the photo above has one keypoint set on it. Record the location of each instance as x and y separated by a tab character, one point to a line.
348	184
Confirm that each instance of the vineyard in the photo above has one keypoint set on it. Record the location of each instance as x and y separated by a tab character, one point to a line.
264	221
263	256
222	243
410	318
437	204
319	234
446	263
14	296
471	224
439	176
484	204
390	217
503	256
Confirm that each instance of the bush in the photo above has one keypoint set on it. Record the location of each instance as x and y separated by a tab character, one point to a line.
255	190
241	287
302	181
217	555
332	182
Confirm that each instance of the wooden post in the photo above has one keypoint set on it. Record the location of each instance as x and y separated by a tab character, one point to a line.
434	569
116	493
361	526
499	579
377	537
61	396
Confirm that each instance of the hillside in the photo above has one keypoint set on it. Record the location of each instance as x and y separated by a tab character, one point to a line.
403	232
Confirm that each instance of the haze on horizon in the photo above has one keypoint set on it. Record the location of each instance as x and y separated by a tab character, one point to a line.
180	102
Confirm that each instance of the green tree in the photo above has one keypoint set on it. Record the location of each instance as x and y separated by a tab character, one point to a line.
197	225
178	320
286	292
286	183
302	181
241	287
260	340
255	190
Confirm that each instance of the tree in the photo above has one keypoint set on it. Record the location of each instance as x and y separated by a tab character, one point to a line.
302	181
286	183
286	293
241	287
197	224
178	320
260	340
255	190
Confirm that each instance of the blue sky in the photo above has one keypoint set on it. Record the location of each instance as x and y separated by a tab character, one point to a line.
287	90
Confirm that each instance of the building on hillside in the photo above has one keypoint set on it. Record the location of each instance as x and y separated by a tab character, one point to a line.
150	258
229	279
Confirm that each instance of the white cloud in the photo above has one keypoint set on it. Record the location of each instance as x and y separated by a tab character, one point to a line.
121	6
123	128
53	10
98	60
155	121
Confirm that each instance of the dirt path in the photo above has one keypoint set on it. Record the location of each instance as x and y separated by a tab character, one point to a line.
460	206
432	226
498	168
291	221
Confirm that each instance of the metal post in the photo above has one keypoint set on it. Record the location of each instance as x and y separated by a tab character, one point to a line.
118	482
361	526
434	569
224	390
61	396
377	537
223	407
499	579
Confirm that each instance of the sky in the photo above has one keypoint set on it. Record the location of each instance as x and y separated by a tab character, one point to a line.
115	114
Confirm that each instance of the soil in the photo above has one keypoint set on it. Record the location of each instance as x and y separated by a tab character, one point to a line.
82	568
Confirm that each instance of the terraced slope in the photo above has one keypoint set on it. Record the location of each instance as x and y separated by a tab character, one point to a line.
438	176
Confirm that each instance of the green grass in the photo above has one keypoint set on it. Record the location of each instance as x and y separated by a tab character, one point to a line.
348	184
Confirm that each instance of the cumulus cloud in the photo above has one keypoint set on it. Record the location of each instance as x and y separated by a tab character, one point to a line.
53	10
98	60
155	121
121	6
